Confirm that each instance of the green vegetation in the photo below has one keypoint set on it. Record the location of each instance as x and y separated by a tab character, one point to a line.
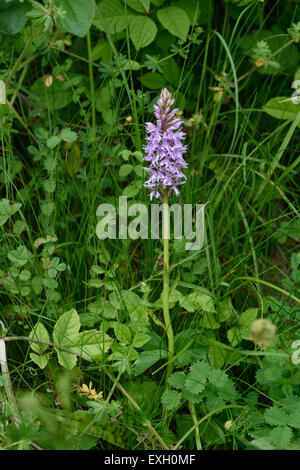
85	361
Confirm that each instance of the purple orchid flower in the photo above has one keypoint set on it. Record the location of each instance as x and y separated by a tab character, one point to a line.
164	149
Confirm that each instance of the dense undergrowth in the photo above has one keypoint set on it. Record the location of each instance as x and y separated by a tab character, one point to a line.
86	343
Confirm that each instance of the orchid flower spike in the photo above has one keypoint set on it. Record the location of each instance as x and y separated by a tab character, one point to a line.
164	149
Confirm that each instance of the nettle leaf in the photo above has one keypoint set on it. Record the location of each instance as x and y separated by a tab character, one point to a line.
142	31
20	256
116	17
141	6
175	20
171	399
7	209
282	107
78	16
197	378
64	333
13	16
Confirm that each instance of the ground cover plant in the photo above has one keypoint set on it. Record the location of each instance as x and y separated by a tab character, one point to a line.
124	343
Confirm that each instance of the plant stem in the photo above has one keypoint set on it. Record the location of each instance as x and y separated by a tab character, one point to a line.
197	434
166	283
91	76
7	383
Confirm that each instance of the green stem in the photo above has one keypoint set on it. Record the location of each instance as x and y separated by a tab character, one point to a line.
91	76
166	283
197	433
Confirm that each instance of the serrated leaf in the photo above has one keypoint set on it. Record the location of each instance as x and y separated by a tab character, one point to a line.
281	436
276	416
64	333
142	31
171	399
7	209
177	380
68	136
197	378
53	141
19	256
175	20
125	170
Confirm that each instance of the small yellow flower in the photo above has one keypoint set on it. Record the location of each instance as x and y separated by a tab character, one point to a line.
89	392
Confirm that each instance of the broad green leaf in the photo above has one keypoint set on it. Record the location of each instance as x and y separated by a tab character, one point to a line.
141	6
115	16
192	8
51	98
40	360
171	399
19	256
78	16
140	339
175	20
248	317
92	343
122	333
234	335
224	310
216	356
282	107
7	210
147	358
13	16
153	80
65	331
142	31
102	50
39	332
